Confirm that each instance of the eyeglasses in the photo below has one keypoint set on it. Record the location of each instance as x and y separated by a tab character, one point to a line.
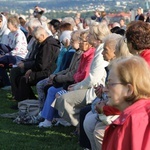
82	40
108	85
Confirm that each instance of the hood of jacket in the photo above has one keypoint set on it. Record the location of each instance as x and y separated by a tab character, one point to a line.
51	41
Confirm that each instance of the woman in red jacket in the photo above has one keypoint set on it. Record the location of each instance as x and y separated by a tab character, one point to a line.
128	90
138	39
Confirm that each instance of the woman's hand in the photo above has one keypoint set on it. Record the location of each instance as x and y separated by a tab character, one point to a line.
99	107
71	87
51	77
99	90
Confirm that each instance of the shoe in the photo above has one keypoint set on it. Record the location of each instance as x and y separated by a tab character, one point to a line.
44	125
39	117
6	88
61	121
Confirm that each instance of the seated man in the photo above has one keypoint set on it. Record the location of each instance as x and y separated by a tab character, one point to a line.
45	63
27	63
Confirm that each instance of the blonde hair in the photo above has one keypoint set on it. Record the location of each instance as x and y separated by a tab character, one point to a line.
133	70
14	20
84	33
122	48
99	30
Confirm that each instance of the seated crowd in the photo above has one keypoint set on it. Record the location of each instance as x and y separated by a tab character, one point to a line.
85	74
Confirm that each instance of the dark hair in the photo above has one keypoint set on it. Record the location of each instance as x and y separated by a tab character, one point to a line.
118	30
55	23
66	26
138	33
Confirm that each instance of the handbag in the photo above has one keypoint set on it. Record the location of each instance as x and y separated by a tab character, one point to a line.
30	107
56	84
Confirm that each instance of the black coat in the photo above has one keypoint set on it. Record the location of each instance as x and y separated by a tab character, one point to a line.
141	17
45	61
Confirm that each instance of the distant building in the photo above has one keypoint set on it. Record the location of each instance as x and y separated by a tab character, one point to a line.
115	17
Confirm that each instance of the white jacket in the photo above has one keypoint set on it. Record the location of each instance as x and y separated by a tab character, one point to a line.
96	76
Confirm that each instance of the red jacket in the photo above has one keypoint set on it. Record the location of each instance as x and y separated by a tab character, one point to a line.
146	55
84	65
131	131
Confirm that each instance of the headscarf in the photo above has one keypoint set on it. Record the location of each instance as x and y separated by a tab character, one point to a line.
4	26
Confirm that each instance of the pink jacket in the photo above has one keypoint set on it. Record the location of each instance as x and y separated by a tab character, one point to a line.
84	65
131	131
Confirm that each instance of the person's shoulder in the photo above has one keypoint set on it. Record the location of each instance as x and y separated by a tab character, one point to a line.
52	41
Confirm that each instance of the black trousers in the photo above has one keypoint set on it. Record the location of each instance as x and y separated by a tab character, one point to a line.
15	75
4	77
24	90
83	139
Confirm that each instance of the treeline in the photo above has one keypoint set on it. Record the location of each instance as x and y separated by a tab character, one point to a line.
53	15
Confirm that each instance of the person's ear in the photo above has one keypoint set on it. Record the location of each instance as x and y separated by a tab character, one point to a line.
67	43
129	90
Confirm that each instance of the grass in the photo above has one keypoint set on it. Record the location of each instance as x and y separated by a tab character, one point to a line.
30	137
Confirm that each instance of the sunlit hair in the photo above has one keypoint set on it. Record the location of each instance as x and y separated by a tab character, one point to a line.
76	35
138	33
99	30
98	11
133	70
33	23
112	40
69	20
14	20
39	31
122	48
65	26
84	33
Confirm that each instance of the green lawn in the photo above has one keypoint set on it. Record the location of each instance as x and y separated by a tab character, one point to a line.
30	137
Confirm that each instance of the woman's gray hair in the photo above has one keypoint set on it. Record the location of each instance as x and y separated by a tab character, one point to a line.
112	36
122	48
69	20
112	40
33	23
39	30
99	30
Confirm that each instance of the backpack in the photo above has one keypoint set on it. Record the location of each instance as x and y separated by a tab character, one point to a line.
28	112
30	107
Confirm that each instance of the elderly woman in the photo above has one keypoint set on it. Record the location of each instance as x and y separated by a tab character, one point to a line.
137	35
82	93
16	47
4	31
138	39
81	73
128	90
91	118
